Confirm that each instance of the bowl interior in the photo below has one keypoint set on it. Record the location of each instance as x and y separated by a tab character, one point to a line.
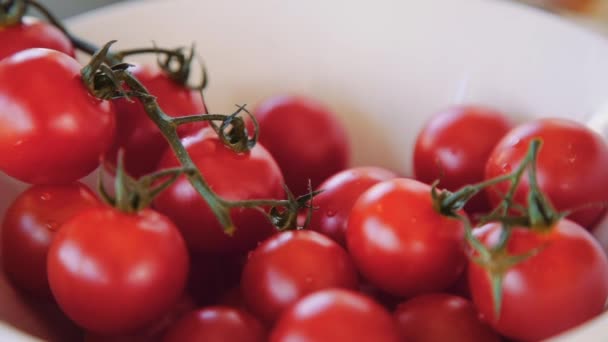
383	66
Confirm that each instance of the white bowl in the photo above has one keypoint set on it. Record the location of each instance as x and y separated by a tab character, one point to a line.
384	66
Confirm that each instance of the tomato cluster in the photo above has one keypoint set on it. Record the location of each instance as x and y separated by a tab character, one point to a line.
386	257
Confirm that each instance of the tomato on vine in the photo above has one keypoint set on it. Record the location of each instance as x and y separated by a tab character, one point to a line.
142	141
234	176
33	33
114	272
451	149
45	139
572	167
562	282
30	225
401	243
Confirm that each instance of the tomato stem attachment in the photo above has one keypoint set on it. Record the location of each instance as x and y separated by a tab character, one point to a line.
107	82
11	12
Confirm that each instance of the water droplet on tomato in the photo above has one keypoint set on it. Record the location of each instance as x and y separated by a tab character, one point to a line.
331	213
45	196
51	225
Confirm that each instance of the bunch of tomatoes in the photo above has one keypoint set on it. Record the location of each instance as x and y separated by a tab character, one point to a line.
488	241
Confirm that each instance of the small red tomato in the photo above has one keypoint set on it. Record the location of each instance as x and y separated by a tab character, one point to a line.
52	130
400	243
33	33
136	133
290	265
335	315
454	146
234	176
440	318
217	324
571	167
30	225
153	331
113	272
340	192
561	286
305	138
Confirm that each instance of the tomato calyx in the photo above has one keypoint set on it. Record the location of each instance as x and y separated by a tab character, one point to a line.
133	195
11	12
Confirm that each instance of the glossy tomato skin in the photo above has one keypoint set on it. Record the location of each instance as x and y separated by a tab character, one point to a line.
441	317
563	285
290	265
400	243
33	33
141	139
29	226
217	324
572	166
340	192
454	146
44	138
335	315
244	176
305	138
113	272
152	332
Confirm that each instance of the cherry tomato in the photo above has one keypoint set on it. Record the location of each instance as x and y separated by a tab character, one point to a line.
454	146
29	226
305	138
335	315
113	272
244	176
340	192
564	284
400	243
141	139
151	332
290	265
44	137
33	33
217	324
442	317
572	166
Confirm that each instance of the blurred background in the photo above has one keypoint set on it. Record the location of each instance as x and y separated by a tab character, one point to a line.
589	13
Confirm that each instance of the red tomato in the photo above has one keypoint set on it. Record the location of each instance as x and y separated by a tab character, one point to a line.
33	33
572	166
141	139
400	243
340	192
152	332
335	315
454	147
562	286
217	324
29	226
440	318
305	138
244	176
113	272
44	137
290	265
